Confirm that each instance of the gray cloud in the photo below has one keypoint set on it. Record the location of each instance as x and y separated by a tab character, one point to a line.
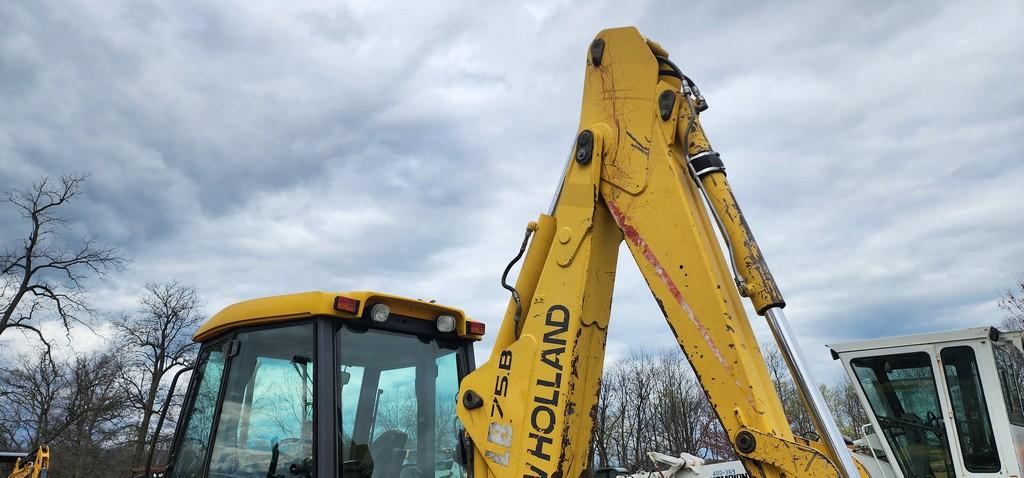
259	149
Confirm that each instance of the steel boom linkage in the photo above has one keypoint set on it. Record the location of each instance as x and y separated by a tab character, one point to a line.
642	171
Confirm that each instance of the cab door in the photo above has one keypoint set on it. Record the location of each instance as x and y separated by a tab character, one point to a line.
1009	367
975	409
902	386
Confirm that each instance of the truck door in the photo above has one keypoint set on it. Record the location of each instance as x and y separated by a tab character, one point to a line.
976	451
902	389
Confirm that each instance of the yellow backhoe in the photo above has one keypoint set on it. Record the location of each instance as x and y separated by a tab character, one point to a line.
28	465
361	384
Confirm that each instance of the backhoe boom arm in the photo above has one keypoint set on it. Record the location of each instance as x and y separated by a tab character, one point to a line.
642	171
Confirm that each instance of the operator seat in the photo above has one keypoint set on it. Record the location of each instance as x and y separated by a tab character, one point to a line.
388	452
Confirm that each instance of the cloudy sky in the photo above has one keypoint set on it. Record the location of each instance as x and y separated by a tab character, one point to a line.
253	148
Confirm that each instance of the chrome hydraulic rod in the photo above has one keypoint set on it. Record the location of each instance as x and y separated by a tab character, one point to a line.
809	391
755	280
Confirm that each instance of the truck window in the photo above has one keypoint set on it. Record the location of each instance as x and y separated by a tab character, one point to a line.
397	409
1010	367
265	427
904	399
974	430
188	461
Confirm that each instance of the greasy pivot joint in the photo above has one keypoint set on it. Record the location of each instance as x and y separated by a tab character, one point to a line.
585	147
472	400
596	52
745	442
666	102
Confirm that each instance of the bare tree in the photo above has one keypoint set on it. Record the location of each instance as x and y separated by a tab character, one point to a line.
653	402
157	341
685	421
845	405
792	404
1012	303
97	411
43	274
30	409
603	423
74	406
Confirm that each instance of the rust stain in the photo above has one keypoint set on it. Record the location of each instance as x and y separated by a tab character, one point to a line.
634	237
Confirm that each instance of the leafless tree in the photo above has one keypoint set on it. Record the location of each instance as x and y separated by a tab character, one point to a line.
792	404
685	421
651	401
91	445
637	375
603	424
1012	303
845	406
73	405
43	275
31	409
156	341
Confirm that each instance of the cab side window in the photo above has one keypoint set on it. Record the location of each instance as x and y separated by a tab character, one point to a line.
970	410
1010	368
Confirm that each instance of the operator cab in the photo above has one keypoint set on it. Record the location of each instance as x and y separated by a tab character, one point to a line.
321	384
948	404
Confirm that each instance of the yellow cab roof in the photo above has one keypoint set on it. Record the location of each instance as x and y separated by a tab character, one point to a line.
290	307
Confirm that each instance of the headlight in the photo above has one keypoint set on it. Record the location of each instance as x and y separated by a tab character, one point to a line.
445	323
380	312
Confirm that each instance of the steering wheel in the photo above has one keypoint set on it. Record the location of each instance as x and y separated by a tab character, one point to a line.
898	431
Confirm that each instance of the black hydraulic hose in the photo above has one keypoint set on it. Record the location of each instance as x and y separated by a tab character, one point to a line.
510	288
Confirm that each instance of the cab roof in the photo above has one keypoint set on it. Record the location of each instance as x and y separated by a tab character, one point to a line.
916	339
291	307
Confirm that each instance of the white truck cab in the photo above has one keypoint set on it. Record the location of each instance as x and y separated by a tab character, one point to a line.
947	404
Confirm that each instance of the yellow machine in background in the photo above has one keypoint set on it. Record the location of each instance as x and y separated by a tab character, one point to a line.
30	465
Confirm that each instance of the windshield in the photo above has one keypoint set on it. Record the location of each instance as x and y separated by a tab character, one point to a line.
397	410
265	424
903	396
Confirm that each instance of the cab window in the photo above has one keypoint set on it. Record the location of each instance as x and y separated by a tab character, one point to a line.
1010	368
904	398
973	428
397	413
188	461
265	427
